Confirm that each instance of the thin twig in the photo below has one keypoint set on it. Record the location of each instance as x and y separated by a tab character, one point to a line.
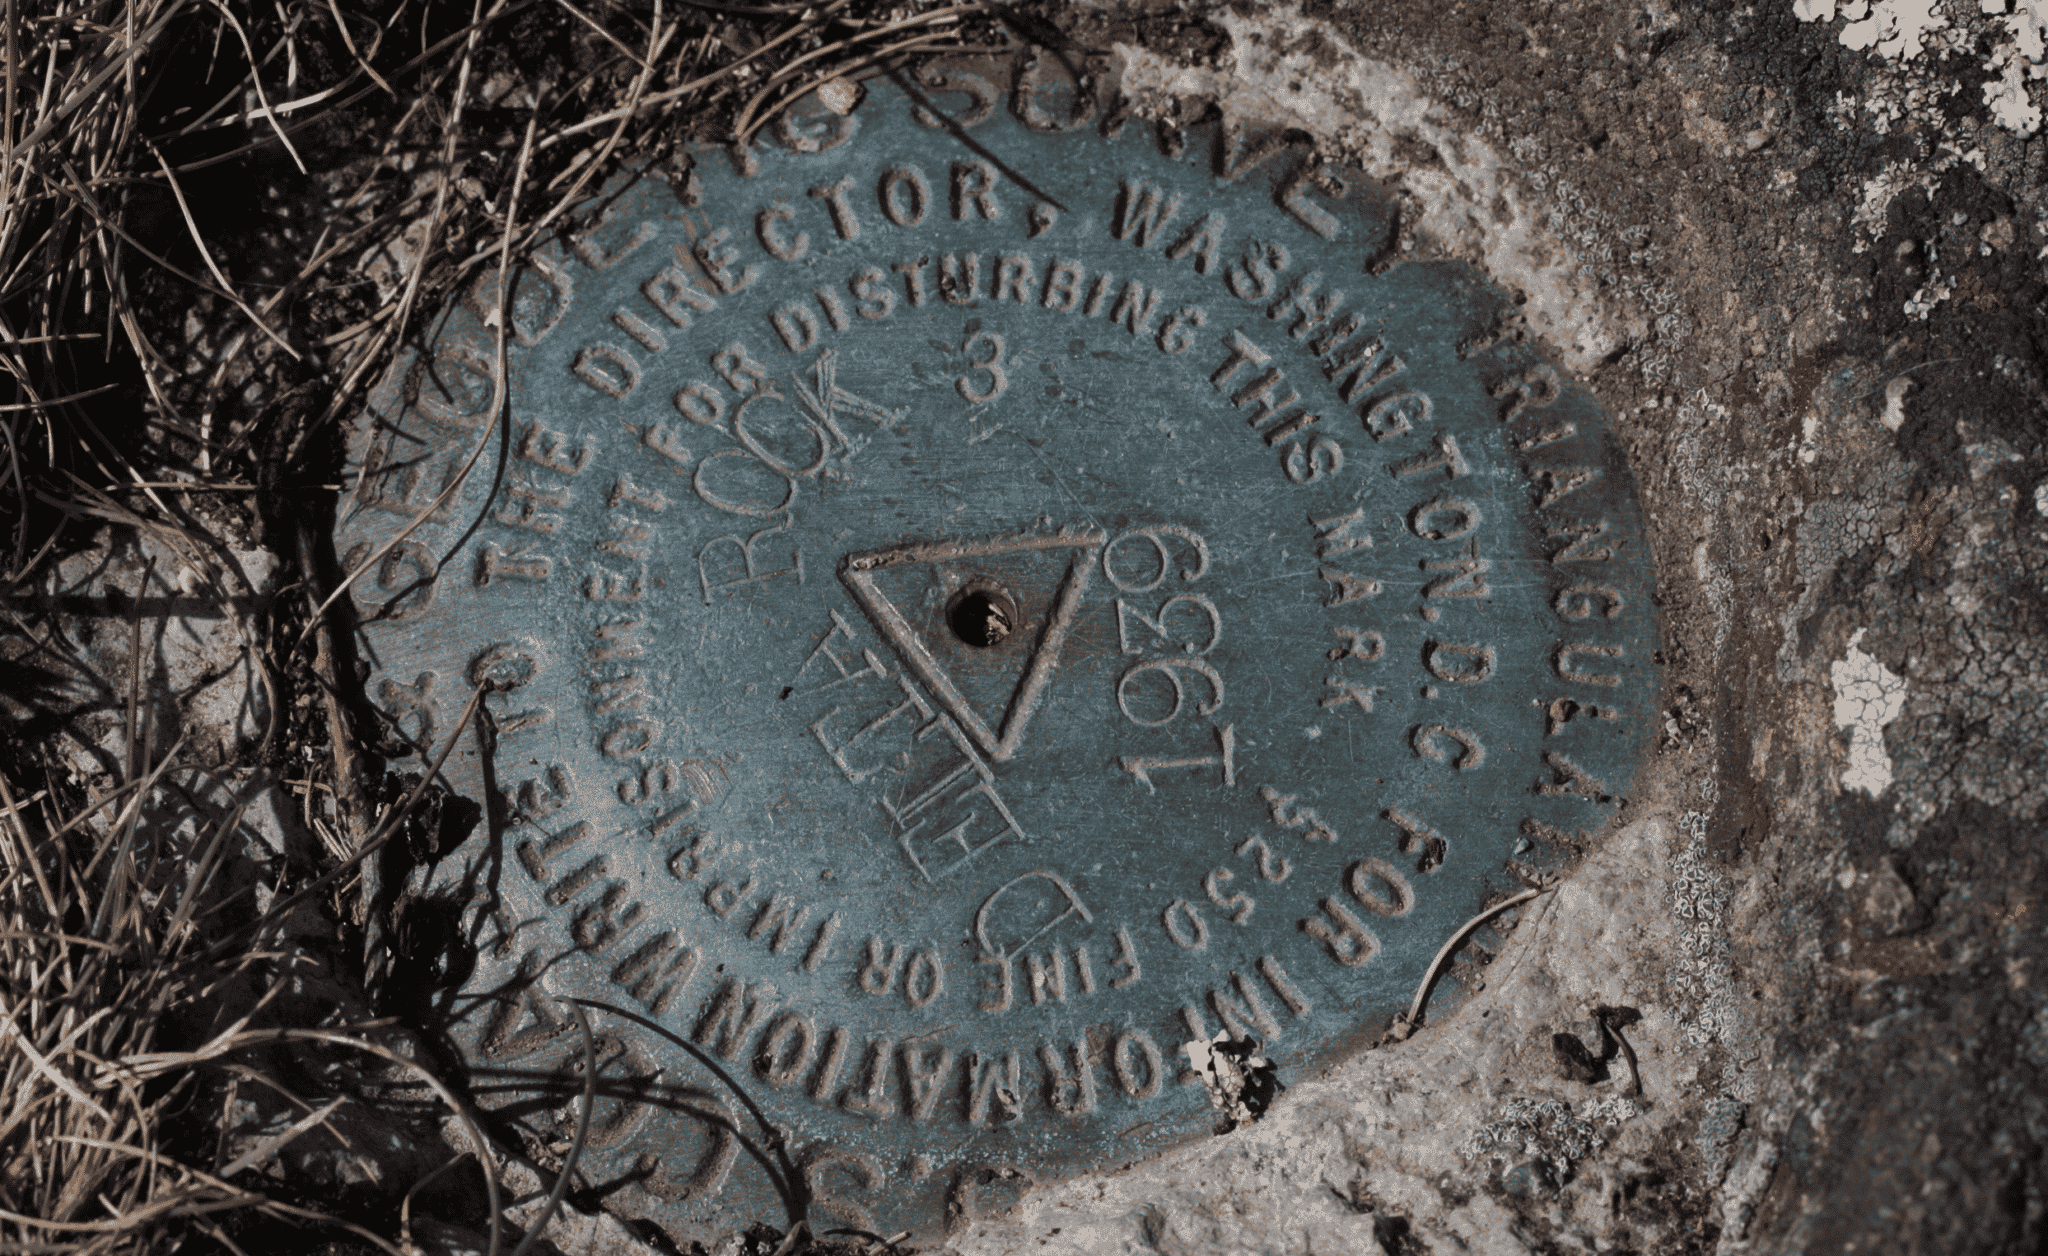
1414	1018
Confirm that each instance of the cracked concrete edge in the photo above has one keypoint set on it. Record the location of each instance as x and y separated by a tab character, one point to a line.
1393	1133
1391	1136
1459	197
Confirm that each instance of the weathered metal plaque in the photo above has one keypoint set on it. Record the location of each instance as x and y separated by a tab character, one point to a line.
969	605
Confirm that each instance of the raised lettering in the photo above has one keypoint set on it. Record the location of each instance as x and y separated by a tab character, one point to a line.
1362	644
1157	623
1203	239
1466	576
1341	691
797	326
1345	937
1554	483
871	295
1270	869
1133	1048
1136	308
829	1064
821	944
1569	778
1239	905
1073	907
716	257
974	191
913	278
771	237
1347	587
1425	522
960	278
1459	662
999	986
594	255
1402	412
1397	901
1579	539
989	363
995	1088
645	336
781	914
1310	307
1024	100
1244	1013
604	922
1292	196
672	294
607	368
871	1097
1126	957
504	1037
1177	333
785	1049
1291	995
1062	286
1579	601
544	447
1141	212
894	207
1252	277
1141	767
924	979
1424	740
1013	278
630	539
1568	666
734	1014
1537	386
1447	459
655	974
924	1073
835	197
1322	457
1184	924
749	568
878	975
725	897
1069	1093
859	1166
1300	818
625	492
1414	834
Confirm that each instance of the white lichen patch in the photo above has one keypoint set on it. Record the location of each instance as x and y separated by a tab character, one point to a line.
1897	31
1548	1131
2015	62
1868	696
1698	896
1896	28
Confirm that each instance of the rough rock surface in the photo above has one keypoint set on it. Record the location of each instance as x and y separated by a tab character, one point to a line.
1797	253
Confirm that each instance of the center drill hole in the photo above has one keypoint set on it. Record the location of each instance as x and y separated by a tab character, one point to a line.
983	617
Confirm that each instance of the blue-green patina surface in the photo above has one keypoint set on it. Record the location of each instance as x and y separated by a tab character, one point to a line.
1329	619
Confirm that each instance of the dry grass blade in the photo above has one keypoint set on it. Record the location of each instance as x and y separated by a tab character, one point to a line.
750	120
576	1145
191	193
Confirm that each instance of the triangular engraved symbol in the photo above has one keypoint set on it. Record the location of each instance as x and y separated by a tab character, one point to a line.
999	738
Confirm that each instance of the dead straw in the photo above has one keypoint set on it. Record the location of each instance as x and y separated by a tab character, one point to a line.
169	370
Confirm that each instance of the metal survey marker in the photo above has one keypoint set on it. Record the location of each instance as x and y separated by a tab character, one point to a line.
972	597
